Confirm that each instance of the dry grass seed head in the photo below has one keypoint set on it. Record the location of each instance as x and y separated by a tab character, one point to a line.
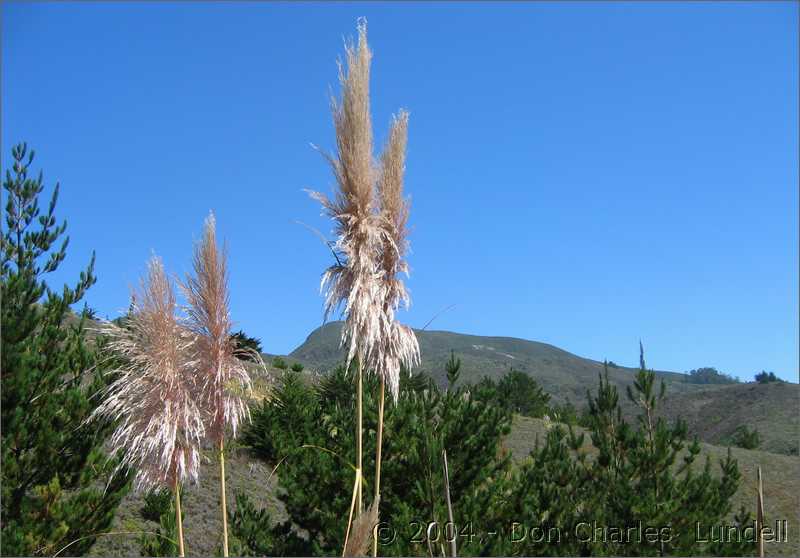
398	345
360	541
216	358
354	284
154	398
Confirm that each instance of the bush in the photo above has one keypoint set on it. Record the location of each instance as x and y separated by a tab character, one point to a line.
634	477
565	414
709	375
248	535
279	363
746	438
160	507
765	377
155	503
515	392
244	341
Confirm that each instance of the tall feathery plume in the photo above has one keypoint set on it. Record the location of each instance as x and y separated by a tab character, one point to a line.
353	282
154	400
223	375
398	345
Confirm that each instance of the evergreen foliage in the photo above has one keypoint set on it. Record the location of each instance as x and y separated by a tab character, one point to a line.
307	431
765	377
709	375
642	488
57	485
160	507
244	341
280	363
155	502
248	536
567	413
642	483
745	438
517	392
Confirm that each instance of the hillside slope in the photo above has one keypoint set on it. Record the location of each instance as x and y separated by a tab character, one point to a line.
562	374
714	415
712	411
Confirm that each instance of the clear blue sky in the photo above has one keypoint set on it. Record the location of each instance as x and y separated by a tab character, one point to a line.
582	174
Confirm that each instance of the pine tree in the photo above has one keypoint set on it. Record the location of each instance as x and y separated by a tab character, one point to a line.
632	471
306	432
57	486
249	537
642	487
244	341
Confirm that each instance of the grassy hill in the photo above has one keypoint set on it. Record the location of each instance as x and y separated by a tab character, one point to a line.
712	411
714	415
562	374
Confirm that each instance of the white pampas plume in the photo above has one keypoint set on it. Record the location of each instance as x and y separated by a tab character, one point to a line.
226	384
398	345
215	358
154	399
352	285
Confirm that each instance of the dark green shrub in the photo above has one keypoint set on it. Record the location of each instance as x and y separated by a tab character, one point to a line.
309	431
765	377
745	438
250	532
709	375
155	503
279	363
516	392
164	540
246	343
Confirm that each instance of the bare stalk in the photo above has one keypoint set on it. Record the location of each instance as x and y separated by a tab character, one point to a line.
449	505
356	484
376	502
760	515
224	501
359	440
178	519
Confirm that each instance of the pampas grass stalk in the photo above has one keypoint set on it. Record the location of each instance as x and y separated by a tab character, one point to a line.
216	361
398	345
353	283
371	240
449	504
223	498
154	400
178	518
